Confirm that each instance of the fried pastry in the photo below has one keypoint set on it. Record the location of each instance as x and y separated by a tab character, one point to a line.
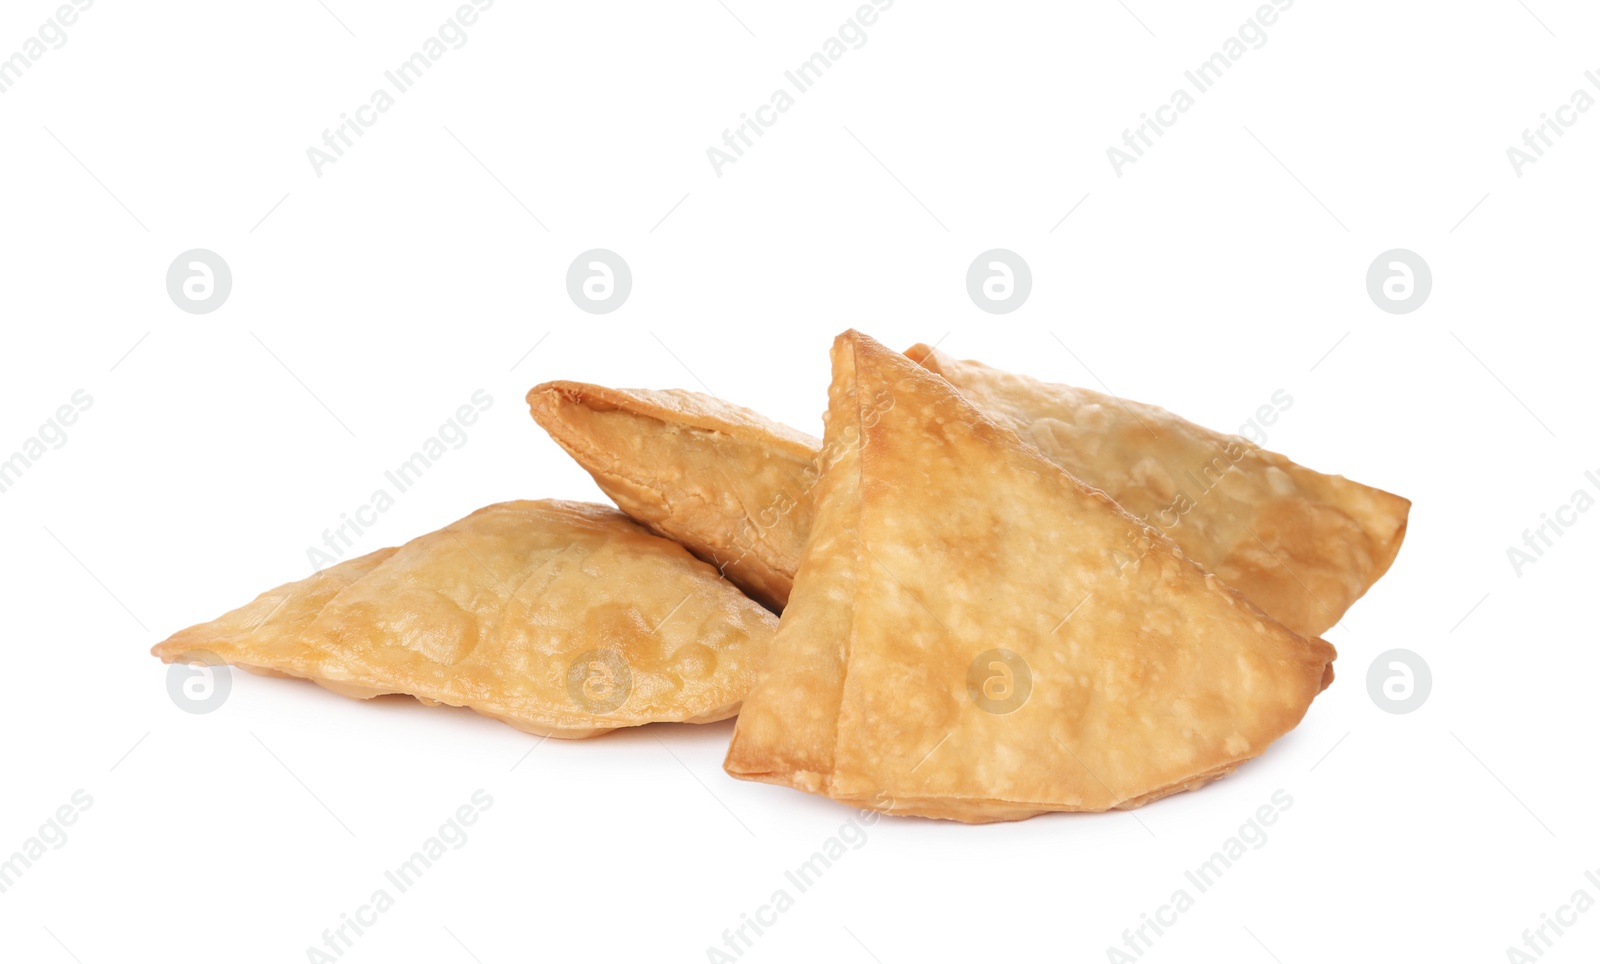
964	641
1301	545
725	482
560	618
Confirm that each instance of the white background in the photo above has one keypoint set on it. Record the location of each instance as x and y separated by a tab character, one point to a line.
375	299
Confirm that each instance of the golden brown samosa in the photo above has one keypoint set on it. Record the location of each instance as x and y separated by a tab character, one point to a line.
725	482
560	618
963	643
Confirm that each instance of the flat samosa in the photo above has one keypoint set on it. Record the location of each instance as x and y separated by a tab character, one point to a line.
964	641
560	618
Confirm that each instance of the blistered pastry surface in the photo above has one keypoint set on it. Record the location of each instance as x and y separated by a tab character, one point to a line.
1301	545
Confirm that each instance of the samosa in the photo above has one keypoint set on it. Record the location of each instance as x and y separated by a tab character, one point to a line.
964	642
730	485
560	618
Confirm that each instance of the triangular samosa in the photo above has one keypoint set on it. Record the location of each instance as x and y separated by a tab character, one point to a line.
560	618
967	640
725	482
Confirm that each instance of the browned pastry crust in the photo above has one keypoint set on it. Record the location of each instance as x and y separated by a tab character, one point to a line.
560	618
1302	545
723	481
940	538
